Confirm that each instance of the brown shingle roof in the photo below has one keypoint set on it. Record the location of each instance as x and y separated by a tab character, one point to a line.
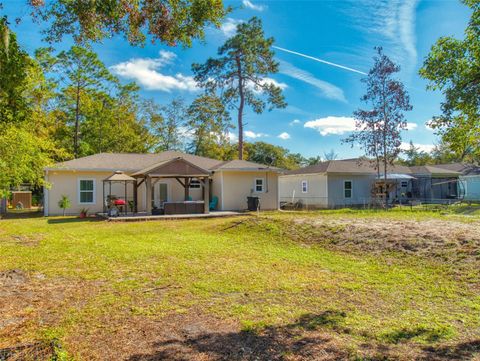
464	168
242	165
347	166
131	162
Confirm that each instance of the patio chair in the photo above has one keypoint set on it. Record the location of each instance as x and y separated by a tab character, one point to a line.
213	203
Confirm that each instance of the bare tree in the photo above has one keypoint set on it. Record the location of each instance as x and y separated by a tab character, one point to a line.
378	129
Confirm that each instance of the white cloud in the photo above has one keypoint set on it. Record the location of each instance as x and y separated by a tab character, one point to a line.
229	27
145	71
332	125
328	90
422	147
294	122
252	135
284	136
412	126
250	5
232	137
394	21
428	125
266	81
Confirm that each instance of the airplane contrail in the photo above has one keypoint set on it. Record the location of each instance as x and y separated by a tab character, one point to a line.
320	60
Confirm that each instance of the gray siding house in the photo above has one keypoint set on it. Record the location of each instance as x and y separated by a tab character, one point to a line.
341	183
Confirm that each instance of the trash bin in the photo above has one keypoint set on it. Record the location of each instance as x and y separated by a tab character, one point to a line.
253	203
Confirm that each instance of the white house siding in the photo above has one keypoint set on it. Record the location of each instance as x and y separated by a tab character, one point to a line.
238	185
67	183
361	190
472	187
316	196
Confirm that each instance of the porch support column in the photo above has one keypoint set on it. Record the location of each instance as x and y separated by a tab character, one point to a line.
148	192
206	195
187	188
135	196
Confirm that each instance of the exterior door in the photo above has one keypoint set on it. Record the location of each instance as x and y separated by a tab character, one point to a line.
160	194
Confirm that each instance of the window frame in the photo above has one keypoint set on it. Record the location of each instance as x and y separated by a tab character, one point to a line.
402	184
94	191
303	183
350	189
255	185
197	181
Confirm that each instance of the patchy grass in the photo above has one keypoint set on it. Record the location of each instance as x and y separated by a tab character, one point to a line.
279	286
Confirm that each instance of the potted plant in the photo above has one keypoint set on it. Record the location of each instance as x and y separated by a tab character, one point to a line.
84	213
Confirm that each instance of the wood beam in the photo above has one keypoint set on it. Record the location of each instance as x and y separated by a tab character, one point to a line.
206	196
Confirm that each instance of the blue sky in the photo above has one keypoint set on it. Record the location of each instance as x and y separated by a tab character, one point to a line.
321	97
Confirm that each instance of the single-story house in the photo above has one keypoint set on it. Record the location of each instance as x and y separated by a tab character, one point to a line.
150	181
469	179
352	182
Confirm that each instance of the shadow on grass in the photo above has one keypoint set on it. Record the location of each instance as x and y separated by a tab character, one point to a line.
311	337
270	343
22	214
74	220
425	333
460	351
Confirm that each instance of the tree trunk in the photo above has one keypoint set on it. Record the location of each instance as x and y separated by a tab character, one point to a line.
240	108
77	123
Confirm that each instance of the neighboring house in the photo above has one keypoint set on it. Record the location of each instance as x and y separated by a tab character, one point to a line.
469	178
340	183
169	176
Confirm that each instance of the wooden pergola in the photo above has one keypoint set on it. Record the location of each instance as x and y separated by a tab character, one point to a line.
179	169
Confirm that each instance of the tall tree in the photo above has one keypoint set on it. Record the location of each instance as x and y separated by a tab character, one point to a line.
453	67
209	122
240	73
112	123
168	124
14	63
415	156
273	155
331	155
79	71
378	129
167	21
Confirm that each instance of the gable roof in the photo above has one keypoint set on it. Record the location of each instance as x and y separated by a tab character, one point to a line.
135	162
238	164
464	168
357	166
351	166
172	167
434	170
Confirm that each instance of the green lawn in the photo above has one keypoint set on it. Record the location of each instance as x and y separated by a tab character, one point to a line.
90	282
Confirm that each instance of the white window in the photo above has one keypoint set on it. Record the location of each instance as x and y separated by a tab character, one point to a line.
404	184
347	189
195	184
86	191
259	185
304	186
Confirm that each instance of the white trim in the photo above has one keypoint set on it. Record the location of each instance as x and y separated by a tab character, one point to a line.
351	189
304	181
221	190
45	196
94	190
255	185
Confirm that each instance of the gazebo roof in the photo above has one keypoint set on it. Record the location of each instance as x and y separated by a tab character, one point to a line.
119	176
176	167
